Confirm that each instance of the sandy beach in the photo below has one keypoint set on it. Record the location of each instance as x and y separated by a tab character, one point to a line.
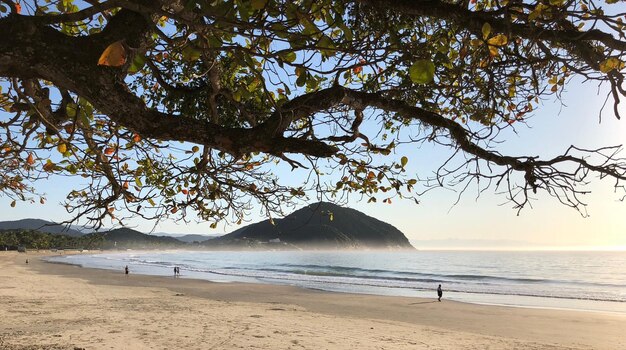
56	306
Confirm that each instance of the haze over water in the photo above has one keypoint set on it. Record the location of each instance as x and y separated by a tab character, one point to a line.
571	280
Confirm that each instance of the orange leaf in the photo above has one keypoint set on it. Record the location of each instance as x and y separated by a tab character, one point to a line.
49	166
184	191
114	55
357	70
174	210
109	150
18	7
30	159
136	138
125	185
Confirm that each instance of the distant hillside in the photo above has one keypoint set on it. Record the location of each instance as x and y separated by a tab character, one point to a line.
125	236
321	225
39	225
188	238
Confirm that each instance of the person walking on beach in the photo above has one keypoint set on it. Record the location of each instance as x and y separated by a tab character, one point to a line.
439	292
126	270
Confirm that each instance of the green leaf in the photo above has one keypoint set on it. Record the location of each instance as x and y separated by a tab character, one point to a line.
258	4
137	64
70	110
422	71
190	53
486	30
404	161
301	80
326	46
288	56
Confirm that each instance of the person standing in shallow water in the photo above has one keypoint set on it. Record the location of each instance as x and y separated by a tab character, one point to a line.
439	292
126	270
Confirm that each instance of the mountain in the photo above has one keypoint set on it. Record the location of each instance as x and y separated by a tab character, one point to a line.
39	225
125	236
188	238
320	225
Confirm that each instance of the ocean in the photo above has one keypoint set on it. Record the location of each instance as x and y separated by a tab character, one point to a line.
593	281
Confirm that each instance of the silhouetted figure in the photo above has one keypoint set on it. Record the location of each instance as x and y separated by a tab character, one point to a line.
27	261
126	270
439	292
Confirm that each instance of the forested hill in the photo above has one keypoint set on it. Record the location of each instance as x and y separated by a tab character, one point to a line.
120	238
321	225
39	225
126	235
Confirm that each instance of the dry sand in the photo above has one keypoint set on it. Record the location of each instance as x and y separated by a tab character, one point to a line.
54	306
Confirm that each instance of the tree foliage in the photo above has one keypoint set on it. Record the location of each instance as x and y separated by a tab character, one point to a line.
168	107
33	239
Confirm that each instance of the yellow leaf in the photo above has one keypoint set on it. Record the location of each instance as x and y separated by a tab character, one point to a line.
486	30
493	51
62	148
498	40
610	63
114	55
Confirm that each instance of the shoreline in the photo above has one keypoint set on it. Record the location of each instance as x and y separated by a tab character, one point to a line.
530	301
57	306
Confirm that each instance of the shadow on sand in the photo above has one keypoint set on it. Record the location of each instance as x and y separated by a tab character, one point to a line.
424	302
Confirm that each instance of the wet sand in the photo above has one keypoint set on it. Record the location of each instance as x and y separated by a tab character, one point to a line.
57	306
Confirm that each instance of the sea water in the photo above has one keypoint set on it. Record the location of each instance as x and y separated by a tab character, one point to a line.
569	280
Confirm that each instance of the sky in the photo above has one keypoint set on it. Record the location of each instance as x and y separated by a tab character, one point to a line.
436	221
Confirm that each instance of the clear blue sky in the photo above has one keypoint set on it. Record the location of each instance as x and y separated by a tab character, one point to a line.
551	130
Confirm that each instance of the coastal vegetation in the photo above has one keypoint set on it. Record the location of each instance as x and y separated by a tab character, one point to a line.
33	239
176	109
